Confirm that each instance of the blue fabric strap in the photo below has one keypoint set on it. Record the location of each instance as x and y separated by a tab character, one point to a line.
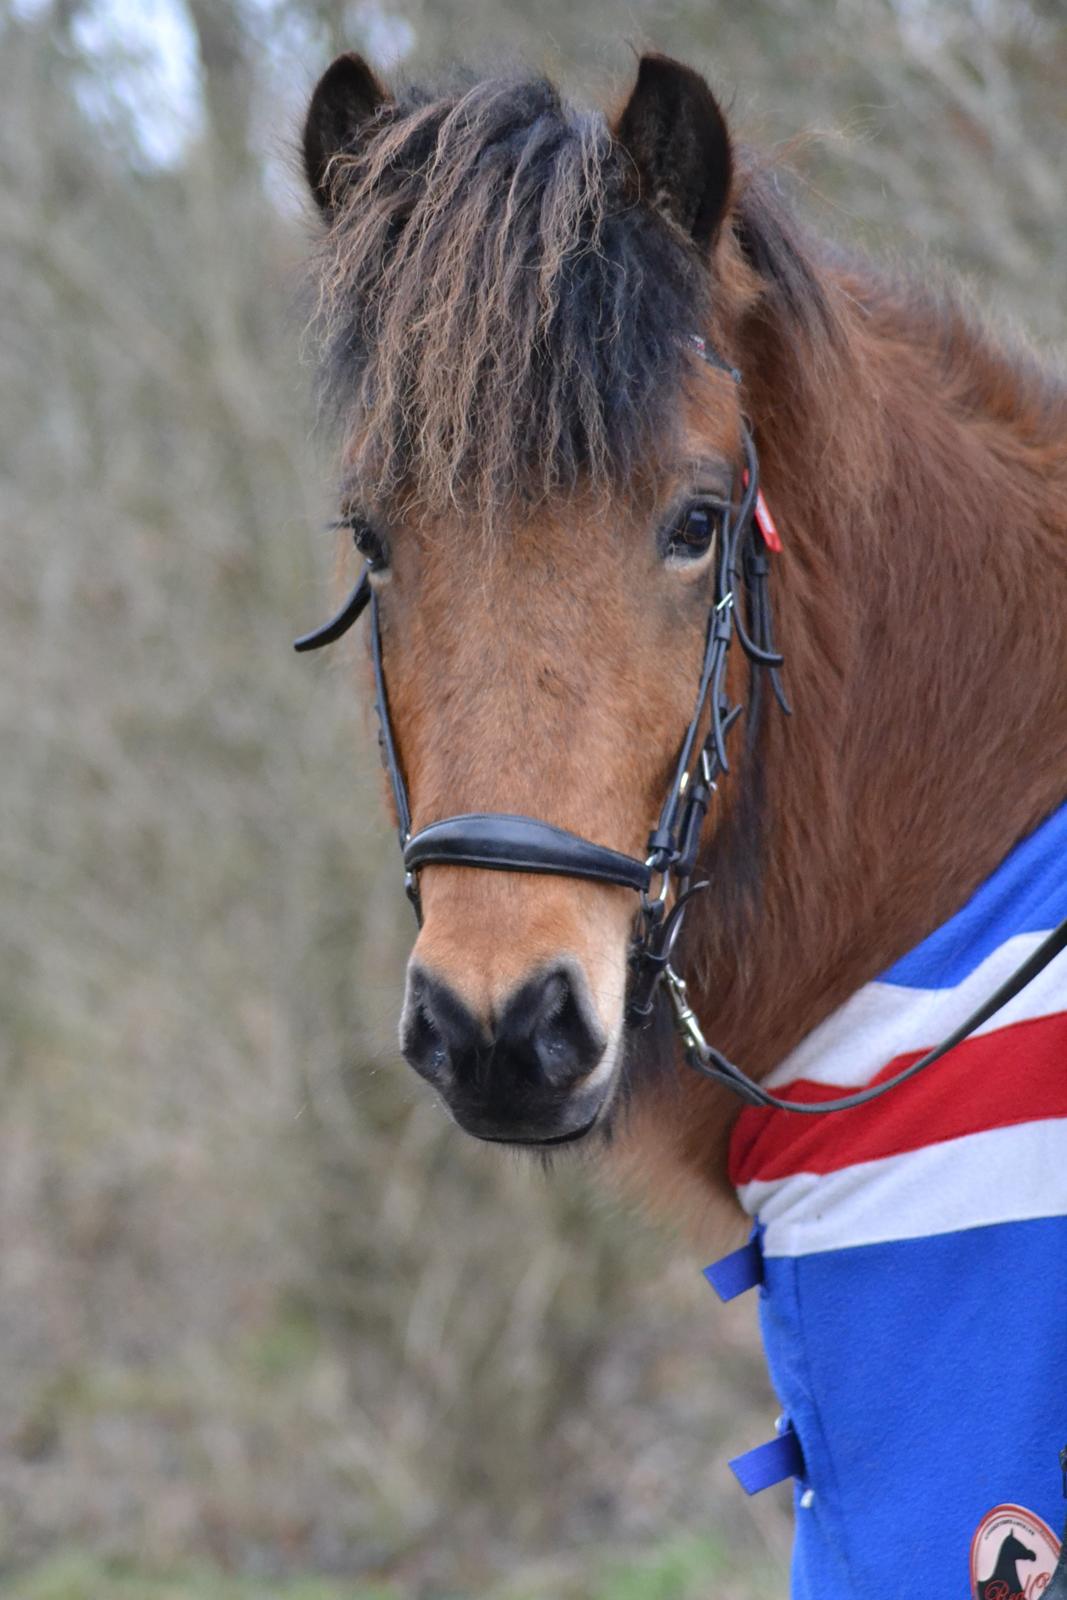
769	1463
741	1270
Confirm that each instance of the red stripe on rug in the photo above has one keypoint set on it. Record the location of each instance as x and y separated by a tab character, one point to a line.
1015	1074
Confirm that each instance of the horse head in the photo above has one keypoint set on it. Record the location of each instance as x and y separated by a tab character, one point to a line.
535	463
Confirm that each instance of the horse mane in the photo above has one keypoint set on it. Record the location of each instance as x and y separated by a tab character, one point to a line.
500	320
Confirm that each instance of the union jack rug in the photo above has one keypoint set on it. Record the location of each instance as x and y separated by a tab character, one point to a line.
914	1263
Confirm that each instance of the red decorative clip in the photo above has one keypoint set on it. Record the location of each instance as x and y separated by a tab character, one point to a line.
766	524
764	521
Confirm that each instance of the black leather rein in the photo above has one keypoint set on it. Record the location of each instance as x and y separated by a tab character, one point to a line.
506	843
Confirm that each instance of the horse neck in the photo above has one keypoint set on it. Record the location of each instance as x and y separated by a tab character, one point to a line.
920	483
922	617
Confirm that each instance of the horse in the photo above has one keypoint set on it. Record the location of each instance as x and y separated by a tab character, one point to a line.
559	345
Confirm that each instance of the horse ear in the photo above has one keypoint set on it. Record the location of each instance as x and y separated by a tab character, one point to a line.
346	97
675	134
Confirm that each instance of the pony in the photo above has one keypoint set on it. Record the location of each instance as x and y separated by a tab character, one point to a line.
508	288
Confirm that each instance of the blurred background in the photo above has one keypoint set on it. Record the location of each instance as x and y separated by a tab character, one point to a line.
268	1325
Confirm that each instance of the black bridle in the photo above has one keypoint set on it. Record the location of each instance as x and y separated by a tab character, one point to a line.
501	842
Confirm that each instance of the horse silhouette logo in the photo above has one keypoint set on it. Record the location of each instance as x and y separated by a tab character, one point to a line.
1013	1555
1004	1579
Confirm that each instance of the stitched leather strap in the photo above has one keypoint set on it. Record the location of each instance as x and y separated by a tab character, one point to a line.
507	843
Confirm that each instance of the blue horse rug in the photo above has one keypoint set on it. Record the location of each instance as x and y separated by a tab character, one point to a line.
912	1260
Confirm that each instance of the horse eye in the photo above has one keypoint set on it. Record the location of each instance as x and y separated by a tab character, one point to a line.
370	544
691	533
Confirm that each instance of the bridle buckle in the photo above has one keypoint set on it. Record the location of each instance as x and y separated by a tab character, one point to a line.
653	905
685	1018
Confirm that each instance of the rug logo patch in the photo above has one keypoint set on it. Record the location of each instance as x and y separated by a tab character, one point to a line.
1013	1555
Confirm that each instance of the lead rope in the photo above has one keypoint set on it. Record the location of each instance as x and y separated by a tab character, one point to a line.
711	1063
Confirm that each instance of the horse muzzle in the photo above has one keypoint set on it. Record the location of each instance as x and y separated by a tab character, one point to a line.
537	1071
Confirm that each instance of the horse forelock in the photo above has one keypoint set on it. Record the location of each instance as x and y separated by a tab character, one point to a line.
499	319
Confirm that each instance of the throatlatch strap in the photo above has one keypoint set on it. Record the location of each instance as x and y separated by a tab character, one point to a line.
349	613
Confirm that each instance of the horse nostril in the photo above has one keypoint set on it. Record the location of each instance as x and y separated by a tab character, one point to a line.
549	1028
438	1032
547	1038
